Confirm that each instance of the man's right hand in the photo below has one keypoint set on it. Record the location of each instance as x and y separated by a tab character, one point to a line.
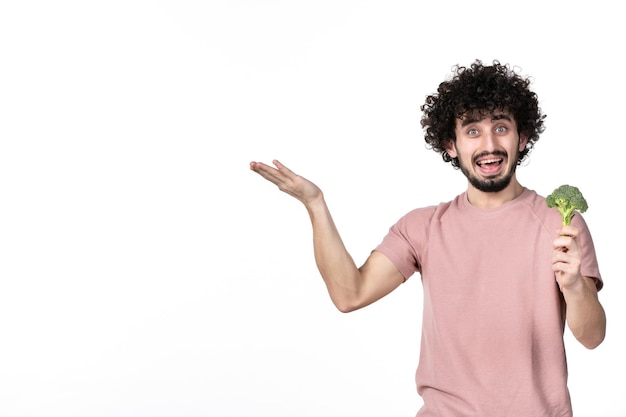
289	182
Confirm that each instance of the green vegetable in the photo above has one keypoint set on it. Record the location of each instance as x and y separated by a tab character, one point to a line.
567	199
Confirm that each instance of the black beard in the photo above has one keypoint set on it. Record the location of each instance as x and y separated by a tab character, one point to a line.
489	185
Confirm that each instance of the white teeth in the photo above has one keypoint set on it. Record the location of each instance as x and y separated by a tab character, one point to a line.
489	161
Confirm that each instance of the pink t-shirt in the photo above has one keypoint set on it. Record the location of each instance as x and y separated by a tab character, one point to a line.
493	321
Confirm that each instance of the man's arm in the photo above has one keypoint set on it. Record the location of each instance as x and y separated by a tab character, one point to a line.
585	315
349	287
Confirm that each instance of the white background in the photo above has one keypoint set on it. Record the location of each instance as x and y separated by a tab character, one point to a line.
145	271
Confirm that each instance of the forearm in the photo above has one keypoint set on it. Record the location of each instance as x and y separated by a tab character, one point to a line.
336	266
585	315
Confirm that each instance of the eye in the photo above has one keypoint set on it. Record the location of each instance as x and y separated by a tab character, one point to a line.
501	129
472	132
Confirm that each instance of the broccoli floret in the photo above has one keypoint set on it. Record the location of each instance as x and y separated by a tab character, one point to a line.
567	199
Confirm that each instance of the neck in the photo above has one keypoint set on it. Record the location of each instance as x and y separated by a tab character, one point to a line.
486	200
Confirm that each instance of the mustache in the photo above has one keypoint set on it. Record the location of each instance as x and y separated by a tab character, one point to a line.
485	154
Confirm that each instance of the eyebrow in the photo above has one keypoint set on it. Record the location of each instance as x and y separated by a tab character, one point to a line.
494	117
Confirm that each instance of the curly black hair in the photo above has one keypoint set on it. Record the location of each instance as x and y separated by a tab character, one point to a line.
480	89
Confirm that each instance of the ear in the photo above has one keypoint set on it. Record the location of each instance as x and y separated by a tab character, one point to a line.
451	148
523	141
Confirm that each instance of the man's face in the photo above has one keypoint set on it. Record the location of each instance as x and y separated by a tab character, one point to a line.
487	147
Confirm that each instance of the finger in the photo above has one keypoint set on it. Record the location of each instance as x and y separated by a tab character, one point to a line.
559	256
255	166
570	231
561	244
269	173
282	168
260	165
565	264
561	268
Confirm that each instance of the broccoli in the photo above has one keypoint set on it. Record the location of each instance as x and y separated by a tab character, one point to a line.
567	199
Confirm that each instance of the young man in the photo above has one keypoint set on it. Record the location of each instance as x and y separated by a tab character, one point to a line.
501	275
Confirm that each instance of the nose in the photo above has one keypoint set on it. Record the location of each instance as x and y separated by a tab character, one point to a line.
489	141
